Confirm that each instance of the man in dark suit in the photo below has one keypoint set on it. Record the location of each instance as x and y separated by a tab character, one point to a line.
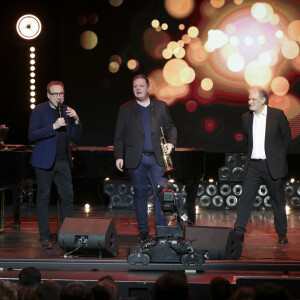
138	135
52	127
267	133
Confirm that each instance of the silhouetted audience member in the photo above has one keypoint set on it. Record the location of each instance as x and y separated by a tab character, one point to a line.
30	277
219	288
8	290
171	285
27	293
76	291
271	291
243	293
109	282
48	290
101	292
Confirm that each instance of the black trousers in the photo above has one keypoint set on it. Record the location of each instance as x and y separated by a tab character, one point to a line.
60	173
257	173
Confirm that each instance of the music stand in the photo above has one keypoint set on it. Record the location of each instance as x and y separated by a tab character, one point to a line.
3	134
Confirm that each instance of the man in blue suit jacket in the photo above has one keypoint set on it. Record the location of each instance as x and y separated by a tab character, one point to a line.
52	127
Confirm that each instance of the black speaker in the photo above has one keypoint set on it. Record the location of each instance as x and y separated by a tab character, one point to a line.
90	236
219	242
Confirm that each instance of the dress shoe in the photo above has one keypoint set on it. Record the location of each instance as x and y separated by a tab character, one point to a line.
282	239
15	224
46	244
143	236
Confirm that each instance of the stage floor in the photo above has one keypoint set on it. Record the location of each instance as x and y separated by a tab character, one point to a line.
262	257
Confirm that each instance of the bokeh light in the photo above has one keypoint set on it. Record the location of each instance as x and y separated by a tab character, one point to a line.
115	3
207	84
191	106
280	86
236	62
193	32
133	65
290	49
155	23
217	3
164	26
88	40
294	31
172	69
179	9
257	74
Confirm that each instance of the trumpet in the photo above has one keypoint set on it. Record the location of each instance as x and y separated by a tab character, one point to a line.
166	157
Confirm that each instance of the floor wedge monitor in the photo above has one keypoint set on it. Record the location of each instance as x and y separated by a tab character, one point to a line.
219	242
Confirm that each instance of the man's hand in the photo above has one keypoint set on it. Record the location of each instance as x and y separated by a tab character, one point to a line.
72	114
119	164
168	148
59	123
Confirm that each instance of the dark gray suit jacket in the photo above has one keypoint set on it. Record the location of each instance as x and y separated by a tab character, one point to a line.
130	136
277	139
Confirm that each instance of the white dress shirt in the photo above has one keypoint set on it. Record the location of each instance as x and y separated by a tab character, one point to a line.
258	134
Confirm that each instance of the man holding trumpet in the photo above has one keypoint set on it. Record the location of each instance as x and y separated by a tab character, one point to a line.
138	144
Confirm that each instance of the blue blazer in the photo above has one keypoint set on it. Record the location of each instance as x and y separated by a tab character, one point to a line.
41	132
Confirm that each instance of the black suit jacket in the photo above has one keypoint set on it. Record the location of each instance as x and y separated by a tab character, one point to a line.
130	136
277	139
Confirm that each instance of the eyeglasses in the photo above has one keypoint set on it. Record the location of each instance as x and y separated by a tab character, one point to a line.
57	94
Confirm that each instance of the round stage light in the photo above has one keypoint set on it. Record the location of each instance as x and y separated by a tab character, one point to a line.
237	190
132	190
258	202
289	190
115	199
225	190
295	202
109	188
224	173
200	190
29	27
205	201
231	201
263	190
267	202
128	199
217	201
237	173
122	188
211	190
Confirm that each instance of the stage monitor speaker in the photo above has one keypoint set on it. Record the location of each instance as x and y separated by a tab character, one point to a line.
219	242
96	237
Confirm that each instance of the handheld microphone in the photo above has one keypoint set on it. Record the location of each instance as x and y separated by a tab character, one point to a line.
59	108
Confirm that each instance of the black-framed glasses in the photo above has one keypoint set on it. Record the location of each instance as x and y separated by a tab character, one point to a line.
57	94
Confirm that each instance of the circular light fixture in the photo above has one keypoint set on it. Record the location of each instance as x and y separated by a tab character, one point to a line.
29	27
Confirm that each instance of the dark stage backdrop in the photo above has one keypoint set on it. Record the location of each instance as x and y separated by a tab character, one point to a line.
96	47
